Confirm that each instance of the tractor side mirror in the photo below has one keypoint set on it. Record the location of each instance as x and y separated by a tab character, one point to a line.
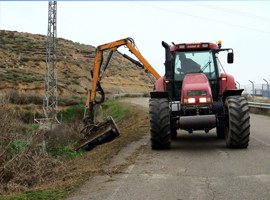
230	57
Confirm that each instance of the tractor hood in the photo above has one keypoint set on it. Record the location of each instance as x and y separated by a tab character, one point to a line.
196	89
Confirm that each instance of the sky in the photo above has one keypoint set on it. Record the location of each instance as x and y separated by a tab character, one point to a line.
241	25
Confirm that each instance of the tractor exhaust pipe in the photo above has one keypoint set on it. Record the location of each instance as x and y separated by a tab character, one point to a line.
168	55
198	122
168	68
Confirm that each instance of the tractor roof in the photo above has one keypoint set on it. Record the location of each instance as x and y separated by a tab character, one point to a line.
194	46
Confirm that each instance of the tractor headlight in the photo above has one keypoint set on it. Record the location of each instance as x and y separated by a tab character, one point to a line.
191	100
204	99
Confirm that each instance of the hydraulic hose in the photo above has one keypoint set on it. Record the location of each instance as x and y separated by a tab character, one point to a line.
101	92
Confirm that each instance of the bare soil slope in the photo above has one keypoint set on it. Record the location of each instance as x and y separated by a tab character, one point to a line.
23	61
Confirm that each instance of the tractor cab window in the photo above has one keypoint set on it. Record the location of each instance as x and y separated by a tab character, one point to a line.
194	61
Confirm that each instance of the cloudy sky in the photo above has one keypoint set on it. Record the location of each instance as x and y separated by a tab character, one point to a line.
241	25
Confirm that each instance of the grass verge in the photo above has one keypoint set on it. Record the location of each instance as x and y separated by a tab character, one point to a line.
47	194
70	170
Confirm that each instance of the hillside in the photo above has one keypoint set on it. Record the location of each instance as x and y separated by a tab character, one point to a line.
22	67
33	158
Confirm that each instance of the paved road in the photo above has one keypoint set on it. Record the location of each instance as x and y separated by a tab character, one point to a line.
197	167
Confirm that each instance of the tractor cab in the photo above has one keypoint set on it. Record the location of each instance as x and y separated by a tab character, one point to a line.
190	58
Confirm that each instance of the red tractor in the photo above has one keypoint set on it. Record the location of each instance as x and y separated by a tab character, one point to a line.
192	95
195	95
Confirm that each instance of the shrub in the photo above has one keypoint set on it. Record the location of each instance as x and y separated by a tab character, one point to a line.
21	99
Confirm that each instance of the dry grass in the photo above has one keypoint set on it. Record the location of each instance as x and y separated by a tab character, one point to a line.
24	161
35	165
14	97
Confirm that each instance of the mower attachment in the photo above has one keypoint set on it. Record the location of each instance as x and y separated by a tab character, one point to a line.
96	134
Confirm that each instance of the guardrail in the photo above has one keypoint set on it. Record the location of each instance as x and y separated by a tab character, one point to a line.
259	105
250	104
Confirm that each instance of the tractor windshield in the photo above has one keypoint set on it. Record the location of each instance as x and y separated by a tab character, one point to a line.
194	61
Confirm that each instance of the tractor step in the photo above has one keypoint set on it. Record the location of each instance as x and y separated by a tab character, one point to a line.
97	134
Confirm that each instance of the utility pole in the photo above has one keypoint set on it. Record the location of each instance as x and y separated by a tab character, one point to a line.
50	102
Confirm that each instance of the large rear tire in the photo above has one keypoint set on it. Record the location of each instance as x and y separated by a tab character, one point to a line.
159	112
237	126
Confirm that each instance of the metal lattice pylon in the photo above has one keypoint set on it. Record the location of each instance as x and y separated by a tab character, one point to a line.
51	97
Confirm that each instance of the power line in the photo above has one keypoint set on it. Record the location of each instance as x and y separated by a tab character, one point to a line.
203	18
243	14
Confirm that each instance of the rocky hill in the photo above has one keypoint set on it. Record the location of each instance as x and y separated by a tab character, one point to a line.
23	61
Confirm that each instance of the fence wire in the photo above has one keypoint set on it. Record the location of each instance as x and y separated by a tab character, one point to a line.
260	90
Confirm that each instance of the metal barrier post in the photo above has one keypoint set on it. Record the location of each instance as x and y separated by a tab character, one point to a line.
253	93
268	95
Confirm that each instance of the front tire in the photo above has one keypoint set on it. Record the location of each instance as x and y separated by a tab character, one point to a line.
237	127
159	112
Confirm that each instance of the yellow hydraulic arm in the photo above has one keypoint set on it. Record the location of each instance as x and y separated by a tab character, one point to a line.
129	43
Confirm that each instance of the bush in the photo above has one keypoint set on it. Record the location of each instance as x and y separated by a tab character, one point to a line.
21	99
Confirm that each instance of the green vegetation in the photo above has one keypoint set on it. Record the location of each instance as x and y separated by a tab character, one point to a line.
62	151
31	128
73	112
118	110
44	195
17	146
24	145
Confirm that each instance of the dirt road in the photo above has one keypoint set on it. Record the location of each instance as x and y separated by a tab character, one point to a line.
197	167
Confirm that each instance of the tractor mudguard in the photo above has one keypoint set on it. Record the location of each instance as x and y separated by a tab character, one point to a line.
235	92
158	95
